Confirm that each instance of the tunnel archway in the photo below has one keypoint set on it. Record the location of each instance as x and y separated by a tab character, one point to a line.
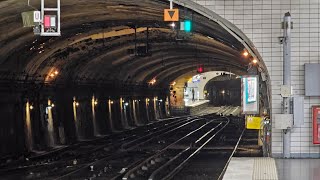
94	57
224	90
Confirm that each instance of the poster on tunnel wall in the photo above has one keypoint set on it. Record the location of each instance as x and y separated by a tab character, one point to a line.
250	94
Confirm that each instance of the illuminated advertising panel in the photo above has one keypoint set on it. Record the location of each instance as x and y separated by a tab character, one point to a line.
250	94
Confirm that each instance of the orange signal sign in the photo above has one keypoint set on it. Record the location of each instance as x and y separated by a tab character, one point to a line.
171	15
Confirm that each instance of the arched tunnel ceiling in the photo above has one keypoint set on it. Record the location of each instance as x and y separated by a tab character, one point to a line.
97	34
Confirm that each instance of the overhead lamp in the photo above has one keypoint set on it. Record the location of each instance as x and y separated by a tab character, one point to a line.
254	61
31	107
245	53
56	72
77	104
52	105
96	102
111	102
153	81
173	25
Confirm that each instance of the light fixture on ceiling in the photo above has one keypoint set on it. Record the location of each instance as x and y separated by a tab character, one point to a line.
245	53
254	61
153	81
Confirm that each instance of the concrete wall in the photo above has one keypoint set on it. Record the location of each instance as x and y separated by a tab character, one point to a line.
261	21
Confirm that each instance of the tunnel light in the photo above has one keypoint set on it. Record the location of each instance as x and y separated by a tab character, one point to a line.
254	61
173	25
153	81
209	37
245	53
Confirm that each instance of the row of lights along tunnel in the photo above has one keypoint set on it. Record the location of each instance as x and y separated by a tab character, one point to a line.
95	102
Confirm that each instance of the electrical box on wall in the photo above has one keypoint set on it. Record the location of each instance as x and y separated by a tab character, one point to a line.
312	83
298	111
316	124
285	91
283	121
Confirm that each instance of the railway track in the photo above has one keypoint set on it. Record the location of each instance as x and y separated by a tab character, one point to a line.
113	166
160	150
84	153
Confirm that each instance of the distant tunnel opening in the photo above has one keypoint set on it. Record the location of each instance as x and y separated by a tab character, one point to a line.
225	91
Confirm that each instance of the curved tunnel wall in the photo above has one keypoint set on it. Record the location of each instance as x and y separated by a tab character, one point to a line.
84	77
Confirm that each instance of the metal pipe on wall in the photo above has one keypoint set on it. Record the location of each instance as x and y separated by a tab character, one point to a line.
286	79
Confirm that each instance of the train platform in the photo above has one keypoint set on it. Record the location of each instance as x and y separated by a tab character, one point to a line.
244	168
196	103
260	168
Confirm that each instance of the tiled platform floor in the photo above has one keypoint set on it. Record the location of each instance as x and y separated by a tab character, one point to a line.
273	169
251	169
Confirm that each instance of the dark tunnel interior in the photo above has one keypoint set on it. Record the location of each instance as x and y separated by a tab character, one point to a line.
224	91
110	70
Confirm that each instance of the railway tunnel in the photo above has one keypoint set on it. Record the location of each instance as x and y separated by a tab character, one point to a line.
117	66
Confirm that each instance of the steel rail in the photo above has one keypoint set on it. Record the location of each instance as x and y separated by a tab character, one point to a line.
229	160
118	153
156	173
125	137
126	176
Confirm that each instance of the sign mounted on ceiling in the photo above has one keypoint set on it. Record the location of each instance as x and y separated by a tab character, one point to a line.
171	15
36	16
250	94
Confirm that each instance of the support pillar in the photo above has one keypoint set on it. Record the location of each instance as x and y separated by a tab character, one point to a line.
124	121
65	113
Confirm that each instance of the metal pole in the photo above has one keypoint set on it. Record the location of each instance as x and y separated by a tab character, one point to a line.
171	4
286	79
42	16
58	14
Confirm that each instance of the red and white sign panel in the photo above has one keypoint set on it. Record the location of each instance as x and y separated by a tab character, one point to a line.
49	21
316	124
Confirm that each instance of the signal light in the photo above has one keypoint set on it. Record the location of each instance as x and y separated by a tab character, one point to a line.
200	69
186	26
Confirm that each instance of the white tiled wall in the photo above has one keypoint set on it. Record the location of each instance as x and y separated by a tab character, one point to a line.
261	21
